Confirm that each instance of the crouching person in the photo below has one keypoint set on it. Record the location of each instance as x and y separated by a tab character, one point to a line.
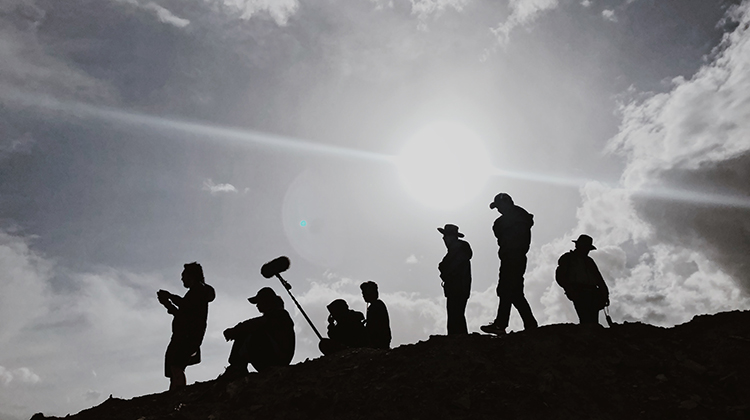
265	341
346	328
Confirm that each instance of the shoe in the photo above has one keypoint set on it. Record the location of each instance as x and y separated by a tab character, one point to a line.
492	329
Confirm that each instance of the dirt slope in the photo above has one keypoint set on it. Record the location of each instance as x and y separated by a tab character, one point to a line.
698	370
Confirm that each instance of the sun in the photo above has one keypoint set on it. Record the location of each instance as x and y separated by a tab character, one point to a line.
444	165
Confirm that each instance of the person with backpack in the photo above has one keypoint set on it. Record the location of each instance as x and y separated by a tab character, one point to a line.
582	282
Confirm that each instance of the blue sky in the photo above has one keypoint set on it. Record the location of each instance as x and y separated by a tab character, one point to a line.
136	136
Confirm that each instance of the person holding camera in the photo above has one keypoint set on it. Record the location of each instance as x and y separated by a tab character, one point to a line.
584	285
346	328
190	314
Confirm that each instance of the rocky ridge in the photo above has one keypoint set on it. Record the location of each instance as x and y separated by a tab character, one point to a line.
697	370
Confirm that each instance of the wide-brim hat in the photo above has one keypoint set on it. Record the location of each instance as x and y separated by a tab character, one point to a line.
502	197
450	230
585	241
264	294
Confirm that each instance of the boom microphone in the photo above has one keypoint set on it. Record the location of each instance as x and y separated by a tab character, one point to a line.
274	267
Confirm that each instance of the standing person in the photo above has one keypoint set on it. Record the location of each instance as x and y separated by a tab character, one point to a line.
455	271
584	285
346	328
264	341
190	314
513	232
377	323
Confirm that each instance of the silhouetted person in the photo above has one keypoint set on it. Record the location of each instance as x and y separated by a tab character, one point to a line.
190	314
513	232
346	328
584	285
264	341
377	323
455	271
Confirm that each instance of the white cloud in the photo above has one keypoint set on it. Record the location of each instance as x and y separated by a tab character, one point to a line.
424	9
586	3
208	185
667	261
411	259
702	120
161	13
279	10
165	15
609	15
523	12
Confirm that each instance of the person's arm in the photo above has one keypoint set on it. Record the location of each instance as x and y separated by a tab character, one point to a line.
166	299
244	328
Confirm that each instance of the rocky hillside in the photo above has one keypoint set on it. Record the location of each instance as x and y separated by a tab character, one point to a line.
698	370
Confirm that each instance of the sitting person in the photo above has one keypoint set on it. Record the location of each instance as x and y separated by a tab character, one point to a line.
265	341
377	324
346	328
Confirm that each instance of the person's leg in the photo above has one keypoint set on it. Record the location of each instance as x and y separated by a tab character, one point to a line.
586	309
510	291
177	377
262	351
524	309
457	315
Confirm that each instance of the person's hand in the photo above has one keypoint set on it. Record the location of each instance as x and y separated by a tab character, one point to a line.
163	296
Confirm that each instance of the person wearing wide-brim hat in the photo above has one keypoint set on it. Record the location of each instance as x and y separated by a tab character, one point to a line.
584	285
264	341
455	272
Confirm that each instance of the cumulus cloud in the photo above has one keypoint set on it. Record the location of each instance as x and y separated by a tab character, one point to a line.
667	259
522	12
210	186
609	15
412	259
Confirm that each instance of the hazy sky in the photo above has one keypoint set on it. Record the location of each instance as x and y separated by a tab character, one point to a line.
138	135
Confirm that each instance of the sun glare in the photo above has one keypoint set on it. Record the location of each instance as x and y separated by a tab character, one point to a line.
444	165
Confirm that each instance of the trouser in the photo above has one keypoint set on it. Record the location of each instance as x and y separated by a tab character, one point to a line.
510	292
587	307
456	307
258	349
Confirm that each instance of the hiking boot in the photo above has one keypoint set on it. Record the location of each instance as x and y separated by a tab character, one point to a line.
492	329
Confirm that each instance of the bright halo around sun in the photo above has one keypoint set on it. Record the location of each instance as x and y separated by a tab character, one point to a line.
444	165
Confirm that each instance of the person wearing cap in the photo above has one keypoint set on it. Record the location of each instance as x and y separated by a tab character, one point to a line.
584	285
346	328
455	272
377	323
513	232
264	341
190	314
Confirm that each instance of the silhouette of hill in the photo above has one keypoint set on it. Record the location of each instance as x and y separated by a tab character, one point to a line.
697	370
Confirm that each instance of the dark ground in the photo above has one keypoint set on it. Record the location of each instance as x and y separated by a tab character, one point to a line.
698	370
